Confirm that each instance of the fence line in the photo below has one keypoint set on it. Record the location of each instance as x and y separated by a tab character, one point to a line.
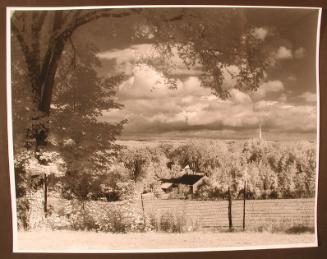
214	214
259	213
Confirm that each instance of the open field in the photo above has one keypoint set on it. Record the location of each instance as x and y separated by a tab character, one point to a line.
266	214
70	240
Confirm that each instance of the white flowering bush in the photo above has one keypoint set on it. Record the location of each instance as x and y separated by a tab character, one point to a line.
22	213
118	217
52	163
57	222
82	220
170	222
35	213
30	167
125	190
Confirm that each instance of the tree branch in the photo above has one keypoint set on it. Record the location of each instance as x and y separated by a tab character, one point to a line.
73	62
36	26
68	30
176	18
52	44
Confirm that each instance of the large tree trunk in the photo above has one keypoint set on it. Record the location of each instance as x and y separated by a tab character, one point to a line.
42	76
41	72
42	93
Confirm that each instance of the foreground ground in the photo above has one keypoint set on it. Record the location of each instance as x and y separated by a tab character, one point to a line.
72	241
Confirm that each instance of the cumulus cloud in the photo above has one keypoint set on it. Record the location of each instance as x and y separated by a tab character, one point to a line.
282	97
229	76
260	33
128	54
274	86
157	109
286	117
283	53
150	106
147	83
239	97
291	78
300	53
294	118
126	59
309	97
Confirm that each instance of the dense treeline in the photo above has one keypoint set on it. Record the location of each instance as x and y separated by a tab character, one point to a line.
270	170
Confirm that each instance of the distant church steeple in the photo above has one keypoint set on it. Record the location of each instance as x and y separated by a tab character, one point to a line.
260	133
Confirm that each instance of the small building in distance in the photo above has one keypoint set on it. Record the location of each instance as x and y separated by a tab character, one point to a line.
184	186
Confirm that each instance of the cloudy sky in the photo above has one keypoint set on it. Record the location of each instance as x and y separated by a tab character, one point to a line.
285	103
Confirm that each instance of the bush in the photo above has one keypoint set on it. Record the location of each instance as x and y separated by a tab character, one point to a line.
57	222
284	225
121	219
169	222
22	213
81	218
125	190
299	229
107	217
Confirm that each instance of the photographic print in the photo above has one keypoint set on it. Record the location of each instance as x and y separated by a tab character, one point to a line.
163	128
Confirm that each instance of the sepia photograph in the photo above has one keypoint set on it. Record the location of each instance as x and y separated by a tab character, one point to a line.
163	128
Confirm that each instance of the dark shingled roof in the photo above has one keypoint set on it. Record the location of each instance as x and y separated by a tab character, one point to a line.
189	179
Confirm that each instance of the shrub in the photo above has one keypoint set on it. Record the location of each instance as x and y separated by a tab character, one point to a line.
125	190
169	222
284	225
22	213
120	217
57	222
80	217
299	229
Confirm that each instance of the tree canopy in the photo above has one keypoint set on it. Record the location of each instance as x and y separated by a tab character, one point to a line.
212	41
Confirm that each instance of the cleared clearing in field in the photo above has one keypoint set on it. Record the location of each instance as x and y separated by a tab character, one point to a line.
72	241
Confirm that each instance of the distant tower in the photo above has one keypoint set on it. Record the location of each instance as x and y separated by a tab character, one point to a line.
260	133
186	119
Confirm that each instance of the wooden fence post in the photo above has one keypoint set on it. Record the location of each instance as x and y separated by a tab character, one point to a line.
45	205
230	220
244	198
143	210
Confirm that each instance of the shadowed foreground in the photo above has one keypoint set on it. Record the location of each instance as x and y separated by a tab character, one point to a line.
72	241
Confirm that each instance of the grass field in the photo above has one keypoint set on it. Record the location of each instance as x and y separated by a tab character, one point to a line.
73	241
274	215
279	214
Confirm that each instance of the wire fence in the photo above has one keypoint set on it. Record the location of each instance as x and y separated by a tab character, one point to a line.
253	214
